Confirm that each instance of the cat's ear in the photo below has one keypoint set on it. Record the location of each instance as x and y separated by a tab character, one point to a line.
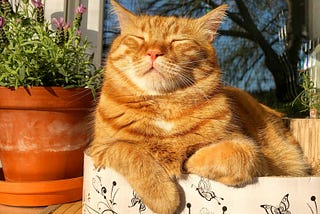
125	17
212	20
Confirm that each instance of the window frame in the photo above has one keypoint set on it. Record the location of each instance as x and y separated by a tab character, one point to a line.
92	22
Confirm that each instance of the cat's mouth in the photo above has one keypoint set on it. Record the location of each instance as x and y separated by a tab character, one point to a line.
154	71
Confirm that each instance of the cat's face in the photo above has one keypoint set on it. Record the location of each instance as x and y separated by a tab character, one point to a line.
163	54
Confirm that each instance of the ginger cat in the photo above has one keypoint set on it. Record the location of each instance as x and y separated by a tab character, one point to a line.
163	112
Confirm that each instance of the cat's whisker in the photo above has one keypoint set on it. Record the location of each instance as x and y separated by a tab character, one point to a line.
79	96
182	72
187	81
185	65
193	61
121	83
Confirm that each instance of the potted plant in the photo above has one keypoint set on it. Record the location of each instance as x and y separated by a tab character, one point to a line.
47	87
309	97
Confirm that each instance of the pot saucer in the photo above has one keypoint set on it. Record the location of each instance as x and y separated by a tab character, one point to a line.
40	193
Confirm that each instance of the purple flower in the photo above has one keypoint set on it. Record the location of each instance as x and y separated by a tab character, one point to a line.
80	9
67	26
58	22
79	32
2	22
37	3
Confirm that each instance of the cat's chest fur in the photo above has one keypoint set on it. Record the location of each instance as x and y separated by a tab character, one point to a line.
164	125
168	121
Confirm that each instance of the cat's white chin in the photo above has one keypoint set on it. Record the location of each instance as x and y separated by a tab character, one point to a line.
151	79
153	83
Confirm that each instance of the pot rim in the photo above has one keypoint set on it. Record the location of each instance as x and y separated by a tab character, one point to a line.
44	98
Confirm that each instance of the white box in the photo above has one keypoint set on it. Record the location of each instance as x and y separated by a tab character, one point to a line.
107	191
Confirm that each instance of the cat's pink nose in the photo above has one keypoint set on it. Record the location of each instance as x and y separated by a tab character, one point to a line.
154	53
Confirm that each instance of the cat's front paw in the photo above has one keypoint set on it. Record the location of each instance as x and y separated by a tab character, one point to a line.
231	163
162	198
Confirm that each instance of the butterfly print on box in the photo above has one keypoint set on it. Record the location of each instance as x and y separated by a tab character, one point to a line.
205	210
136	200
107	202
283	207
204	189
314	205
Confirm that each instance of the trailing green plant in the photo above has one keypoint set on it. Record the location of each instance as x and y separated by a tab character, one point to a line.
310	95
32	54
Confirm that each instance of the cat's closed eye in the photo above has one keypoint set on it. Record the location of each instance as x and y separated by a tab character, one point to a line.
133	41
185	43
180	40
137	37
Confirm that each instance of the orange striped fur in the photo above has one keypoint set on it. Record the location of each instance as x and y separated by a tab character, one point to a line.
163	112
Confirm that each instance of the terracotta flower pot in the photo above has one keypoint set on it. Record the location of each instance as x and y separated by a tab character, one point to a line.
43	132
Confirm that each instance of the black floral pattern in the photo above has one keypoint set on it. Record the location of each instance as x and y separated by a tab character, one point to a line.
314	207
103	195
107	202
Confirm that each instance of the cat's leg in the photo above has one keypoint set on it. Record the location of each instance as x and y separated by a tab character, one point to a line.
234	162
150	180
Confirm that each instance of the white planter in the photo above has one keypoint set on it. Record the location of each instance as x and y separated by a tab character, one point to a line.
108	192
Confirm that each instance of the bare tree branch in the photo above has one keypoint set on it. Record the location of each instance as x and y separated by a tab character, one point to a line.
235	33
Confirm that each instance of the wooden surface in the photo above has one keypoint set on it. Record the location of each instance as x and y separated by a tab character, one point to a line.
69	208
307	132
4	209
